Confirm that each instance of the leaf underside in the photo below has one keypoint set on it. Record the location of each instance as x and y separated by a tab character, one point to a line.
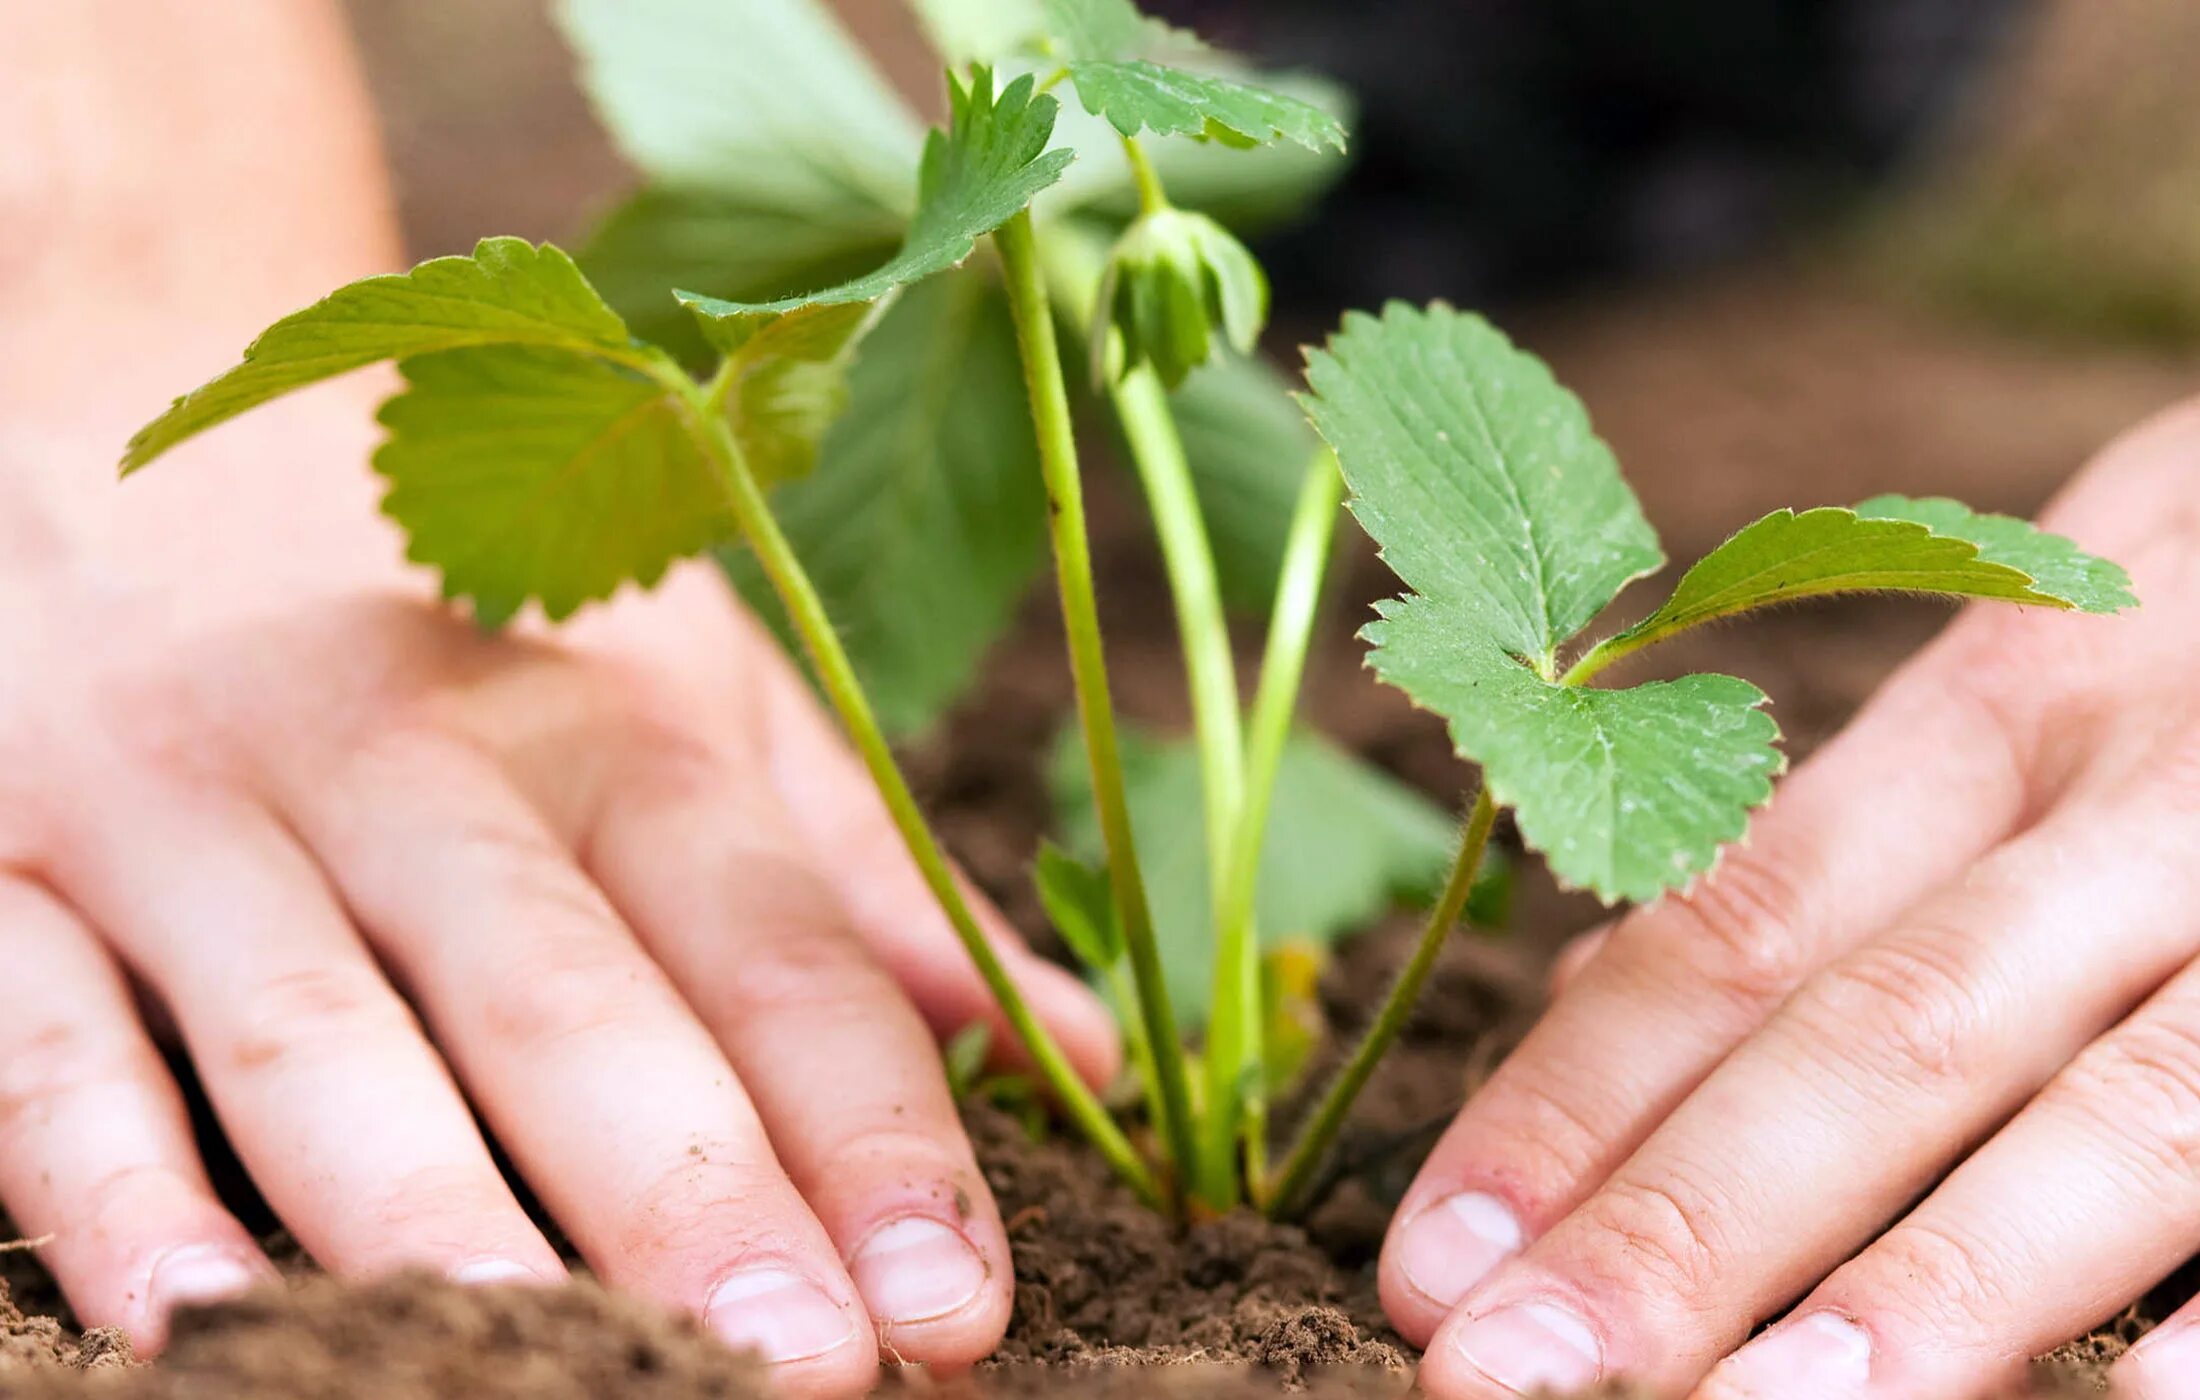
2056	566
977	175
1080	905
1135	95
519	472
507	292
927	524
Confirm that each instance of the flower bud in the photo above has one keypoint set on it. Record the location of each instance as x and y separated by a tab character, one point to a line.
1174	280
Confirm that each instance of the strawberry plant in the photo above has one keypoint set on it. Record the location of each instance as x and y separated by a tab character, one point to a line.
543	451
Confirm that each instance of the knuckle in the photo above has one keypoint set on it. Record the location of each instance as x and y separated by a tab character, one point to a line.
2140	1087
1940	1278
322	1009
51	1064
815	975
1738	932
445	1197
576	985
1549	1142
1661	1236
719	1201
1906	1008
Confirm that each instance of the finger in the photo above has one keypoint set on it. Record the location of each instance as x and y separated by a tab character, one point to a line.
611	1097
348	1122
2087	1199
837	808
1576	955
1875	1075
1925	781
95	1144
843	1070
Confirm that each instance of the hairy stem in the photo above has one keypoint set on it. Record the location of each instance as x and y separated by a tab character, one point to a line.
1300	1168
1042	358
1235	1035
837	677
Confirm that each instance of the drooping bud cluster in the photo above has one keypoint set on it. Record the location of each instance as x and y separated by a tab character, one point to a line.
1175	281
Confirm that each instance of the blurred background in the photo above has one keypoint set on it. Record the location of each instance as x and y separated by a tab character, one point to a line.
1946	244
1790	252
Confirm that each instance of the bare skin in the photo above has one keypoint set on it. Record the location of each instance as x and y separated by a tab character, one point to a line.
621	891
1963	943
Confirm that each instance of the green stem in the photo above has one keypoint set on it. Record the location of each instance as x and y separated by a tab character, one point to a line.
1143	407
837	677
1605	653
1152	197
1236	1034
1042	358
1314	1139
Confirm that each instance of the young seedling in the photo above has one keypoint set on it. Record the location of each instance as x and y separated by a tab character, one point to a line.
1507	519
541	451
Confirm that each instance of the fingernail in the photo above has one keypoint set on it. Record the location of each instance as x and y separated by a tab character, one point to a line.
479	1273
781	1315
1452	1245
2164	1360
916	1269
1532	1346
199	1273
1820	1357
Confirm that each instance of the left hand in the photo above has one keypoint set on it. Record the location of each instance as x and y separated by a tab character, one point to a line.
1962	947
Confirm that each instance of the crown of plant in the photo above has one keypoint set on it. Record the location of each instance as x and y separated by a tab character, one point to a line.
542	451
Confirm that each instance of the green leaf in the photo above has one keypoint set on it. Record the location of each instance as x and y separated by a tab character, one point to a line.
977	175
733	243
1081	906
1345	843
1135	95
508	292
1248	445
927	525
1478	476
964	1058
1627	793
786	381
521	472
1785	557
2057	566
767	99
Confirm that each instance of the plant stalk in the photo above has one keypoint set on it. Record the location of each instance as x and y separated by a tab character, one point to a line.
806	612
1042	358
1235	1056
1152	197
1312	1147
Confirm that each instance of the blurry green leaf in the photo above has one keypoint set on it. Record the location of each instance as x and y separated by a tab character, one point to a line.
527	473
964	1058
1080	904
926	525
1248	445
765	99
1345	843
980	31
507	292
977	175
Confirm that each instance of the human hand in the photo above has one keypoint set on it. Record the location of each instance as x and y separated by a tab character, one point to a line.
651	919
1962	942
